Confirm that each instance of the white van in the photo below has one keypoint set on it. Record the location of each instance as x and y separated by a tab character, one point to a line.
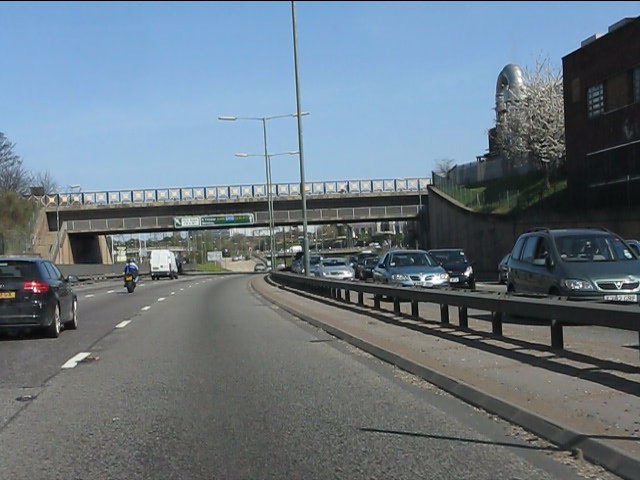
163	264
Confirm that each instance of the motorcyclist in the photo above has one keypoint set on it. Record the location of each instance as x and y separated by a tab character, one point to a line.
132	268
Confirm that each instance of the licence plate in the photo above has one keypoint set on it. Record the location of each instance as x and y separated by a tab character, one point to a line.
621	298
454	280
8	294
128	278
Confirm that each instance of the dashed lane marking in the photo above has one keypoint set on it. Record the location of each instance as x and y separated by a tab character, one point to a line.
73	361
145	308
123	324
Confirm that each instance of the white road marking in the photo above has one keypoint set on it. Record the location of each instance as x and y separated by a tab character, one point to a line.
182	289
173	293
161	299
145	308
89	295
123	324
111	291
72	362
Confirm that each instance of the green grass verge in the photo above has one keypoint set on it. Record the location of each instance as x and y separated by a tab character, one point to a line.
212	267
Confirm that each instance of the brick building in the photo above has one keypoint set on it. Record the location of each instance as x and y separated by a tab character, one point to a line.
602	116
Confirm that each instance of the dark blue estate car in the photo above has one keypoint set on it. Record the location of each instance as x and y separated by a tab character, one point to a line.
35	294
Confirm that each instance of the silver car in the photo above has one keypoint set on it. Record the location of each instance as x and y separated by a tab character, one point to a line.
410	268
335	268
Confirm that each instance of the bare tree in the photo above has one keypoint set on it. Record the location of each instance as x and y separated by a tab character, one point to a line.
444	166
532	127
46	181
13	176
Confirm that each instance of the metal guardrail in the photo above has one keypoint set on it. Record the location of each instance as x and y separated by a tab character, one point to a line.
558	311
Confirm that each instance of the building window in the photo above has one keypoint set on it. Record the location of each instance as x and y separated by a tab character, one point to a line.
636	84
617	91
595	100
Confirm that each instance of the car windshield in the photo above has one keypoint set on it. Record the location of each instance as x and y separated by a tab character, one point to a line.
593	248
411	259
334	262
314	260
371	261
448	256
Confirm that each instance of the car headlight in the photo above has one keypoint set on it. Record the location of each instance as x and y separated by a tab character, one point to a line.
574	284
399	277
468	271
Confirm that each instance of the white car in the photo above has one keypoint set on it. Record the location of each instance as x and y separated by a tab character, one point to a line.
335	268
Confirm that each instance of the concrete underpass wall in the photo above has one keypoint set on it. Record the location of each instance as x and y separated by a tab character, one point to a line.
488	237
85	248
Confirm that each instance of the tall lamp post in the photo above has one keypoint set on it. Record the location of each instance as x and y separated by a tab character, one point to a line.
267	161
303	193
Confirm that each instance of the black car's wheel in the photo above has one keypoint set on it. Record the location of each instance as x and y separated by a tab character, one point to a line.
73	323
53	330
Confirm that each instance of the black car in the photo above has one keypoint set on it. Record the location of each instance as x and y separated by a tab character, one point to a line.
364	270
359	264
35	294
457	265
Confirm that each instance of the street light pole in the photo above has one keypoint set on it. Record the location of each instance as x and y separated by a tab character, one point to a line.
267	160
303	193
267	163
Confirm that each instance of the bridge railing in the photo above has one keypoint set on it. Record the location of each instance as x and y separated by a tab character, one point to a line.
233	192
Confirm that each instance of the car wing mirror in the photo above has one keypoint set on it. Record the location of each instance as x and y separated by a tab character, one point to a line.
72	279
548	261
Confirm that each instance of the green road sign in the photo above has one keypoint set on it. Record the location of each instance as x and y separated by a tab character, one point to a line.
234	219
213	220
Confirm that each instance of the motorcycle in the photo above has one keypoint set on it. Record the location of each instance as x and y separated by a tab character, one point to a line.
129	282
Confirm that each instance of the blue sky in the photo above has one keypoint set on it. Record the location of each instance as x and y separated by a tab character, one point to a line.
120	95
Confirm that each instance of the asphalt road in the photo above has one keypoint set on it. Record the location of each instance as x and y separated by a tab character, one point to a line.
208	382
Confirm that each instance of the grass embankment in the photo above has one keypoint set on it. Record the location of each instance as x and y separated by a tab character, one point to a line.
510	194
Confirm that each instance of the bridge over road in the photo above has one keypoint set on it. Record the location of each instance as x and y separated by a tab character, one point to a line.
79	221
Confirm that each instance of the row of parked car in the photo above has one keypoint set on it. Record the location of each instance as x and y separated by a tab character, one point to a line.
403	267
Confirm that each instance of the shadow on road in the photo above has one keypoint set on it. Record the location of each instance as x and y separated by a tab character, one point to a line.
593	372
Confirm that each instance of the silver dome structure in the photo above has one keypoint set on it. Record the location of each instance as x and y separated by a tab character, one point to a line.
510	87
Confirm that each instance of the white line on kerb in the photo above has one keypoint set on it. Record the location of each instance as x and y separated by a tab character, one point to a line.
72	362
89	296
145	308
161	299
123	324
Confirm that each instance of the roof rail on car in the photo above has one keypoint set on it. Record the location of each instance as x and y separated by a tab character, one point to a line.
538	229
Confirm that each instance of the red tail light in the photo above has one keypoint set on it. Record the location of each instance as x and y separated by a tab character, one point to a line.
35	287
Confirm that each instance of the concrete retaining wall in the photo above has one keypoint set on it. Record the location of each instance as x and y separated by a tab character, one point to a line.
488	237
